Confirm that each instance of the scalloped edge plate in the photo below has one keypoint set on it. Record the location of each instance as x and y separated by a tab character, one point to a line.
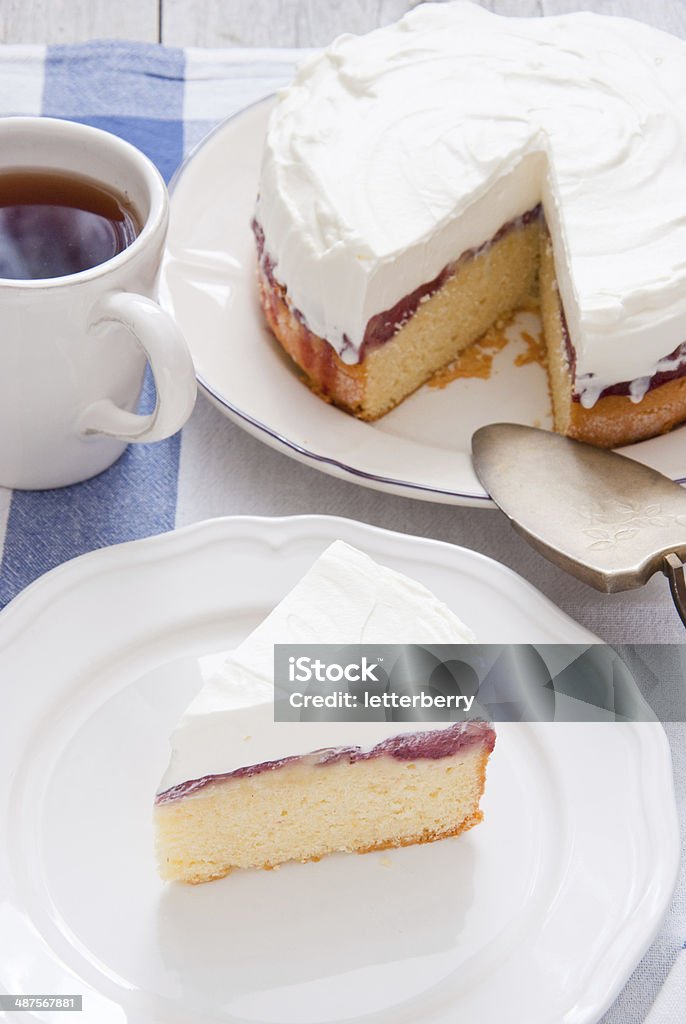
540	913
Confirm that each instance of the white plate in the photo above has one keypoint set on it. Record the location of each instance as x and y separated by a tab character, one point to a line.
421	449
537	915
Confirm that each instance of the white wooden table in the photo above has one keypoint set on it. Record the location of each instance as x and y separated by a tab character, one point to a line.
263	22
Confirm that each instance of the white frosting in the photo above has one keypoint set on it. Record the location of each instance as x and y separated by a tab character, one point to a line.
392	154
344	598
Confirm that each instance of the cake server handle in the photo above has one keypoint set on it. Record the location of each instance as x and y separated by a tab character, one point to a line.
605	518
673	568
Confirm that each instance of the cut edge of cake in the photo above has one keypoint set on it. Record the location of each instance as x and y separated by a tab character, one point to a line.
333	801
479	290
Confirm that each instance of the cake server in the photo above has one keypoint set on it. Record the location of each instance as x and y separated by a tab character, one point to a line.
606	519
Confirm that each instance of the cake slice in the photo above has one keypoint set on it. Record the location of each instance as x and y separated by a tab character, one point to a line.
243	791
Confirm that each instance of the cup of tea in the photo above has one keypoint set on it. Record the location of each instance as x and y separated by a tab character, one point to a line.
83	221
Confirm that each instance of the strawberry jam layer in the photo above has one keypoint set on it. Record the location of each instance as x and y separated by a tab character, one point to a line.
432	745
382	327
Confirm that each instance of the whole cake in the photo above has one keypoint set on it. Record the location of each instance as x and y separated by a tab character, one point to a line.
417	181
244	791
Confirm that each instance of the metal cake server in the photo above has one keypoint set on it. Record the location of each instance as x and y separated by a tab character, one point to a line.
606	519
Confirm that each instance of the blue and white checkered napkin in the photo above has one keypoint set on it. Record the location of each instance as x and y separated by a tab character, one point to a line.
164	101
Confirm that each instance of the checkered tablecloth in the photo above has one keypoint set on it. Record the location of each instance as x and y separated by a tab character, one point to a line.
164	101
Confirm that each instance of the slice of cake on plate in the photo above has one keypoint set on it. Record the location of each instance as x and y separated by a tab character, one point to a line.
417	180
243	791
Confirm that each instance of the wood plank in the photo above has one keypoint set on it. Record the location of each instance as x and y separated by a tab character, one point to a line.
73	21
514	8
669	15
273	22
315	23
264	22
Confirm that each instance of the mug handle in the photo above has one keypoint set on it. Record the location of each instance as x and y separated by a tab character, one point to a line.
171	365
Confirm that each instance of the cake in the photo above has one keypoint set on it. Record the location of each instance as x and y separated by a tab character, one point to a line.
244	791
419	181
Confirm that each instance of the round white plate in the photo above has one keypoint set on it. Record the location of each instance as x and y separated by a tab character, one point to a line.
537	915
421	449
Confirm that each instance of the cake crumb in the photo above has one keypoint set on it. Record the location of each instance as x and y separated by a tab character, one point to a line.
246	738
477	359
385	861
535	351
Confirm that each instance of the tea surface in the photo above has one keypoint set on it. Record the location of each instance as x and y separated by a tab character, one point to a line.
53	224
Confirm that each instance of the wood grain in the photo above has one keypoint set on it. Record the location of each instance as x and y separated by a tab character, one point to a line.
669	15
274	22
317	22
74	21
265	22
665	14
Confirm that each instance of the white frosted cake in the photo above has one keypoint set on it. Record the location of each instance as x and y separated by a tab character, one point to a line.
243	791
417	181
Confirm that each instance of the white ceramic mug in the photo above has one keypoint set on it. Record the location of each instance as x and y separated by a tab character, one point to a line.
73	350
